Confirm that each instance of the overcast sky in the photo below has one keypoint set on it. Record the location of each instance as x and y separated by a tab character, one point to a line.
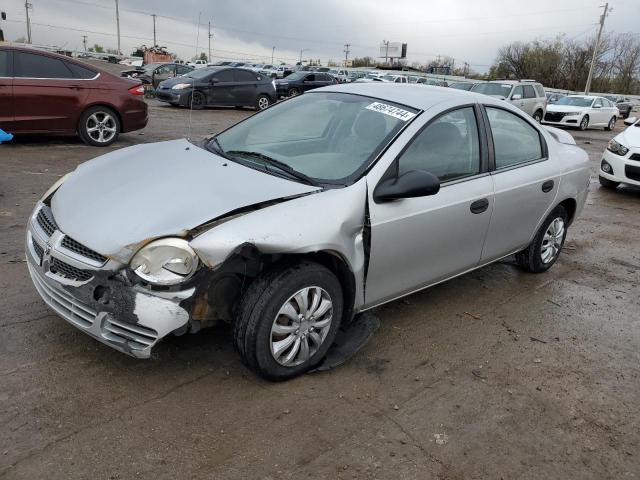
468	30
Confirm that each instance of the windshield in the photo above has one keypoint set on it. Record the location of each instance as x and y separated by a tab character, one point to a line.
329	137
461	85
200	73
575	101
150	67
389	77
501	89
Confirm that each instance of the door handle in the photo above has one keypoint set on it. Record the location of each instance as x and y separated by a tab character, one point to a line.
547	186
479	206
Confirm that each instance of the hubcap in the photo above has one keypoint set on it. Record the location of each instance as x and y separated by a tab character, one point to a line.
585	123
301	326
263	103
552	240
101	127
294	92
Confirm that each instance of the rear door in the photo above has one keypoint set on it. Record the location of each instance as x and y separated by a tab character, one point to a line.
245	91
47	97
525	182
6	90
530	99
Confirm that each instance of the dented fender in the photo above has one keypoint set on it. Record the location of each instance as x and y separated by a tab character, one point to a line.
329	221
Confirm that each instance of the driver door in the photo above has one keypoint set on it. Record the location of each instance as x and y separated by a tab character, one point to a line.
221	87
419	241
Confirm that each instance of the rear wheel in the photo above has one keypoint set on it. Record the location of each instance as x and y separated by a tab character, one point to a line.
606	183
611	125
537	116
287	320
545	248
293	92
99	126
262	102
584	124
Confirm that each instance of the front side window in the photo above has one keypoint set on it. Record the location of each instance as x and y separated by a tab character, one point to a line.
518	91
330	137
515	140
448	147
31	65
598	103
164	70
223	76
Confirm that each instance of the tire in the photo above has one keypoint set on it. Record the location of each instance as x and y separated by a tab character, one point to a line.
196	101
584	123
610	126
258	314
537	116
626	115
262	102
99	126
606	183
533	258
294	92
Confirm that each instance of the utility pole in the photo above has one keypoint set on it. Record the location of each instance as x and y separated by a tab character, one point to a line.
302	50
210	35
154	29
84	42
595	48
386	55
118	27
273	50
346	53
28	6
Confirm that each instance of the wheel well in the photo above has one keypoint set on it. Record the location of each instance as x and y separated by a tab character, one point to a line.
110	107
570	206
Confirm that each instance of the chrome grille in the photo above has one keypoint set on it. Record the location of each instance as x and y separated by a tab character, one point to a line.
69	272
64	304
39	251
46	221
135	336
76	247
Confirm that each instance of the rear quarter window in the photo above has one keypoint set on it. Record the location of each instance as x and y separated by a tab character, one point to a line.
81	72
539	90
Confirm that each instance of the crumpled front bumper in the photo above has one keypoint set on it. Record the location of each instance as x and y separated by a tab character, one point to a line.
125	316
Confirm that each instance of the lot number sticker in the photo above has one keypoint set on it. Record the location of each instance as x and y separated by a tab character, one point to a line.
392	111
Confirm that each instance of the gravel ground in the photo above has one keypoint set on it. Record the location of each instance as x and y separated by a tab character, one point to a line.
495	374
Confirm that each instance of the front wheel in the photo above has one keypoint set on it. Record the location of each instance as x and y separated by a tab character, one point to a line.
263	102
611	125
197	100
287	320
606	183
538	116
584	124
99	126
545	248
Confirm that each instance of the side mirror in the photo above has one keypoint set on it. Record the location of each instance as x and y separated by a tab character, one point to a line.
597	106
213	80
415	183
516	96
630	121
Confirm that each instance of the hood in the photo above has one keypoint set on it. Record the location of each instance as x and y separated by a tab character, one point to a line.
630	137
554	107
154	190
170	82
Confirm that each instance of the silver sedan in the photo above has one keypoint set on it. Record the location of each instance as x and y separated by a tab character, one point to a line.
295	220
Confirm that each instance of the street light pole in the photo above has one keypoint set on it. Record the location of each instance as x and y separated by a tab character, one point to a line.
273	50
303	50
118	27
154	29
27	6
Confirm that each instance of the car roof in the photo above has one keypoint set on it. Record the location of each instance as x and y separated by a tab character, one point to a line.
410	94
591	97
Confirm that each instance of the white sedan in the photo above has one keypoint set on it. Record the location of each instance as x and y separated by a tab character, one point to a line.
582	111
621	159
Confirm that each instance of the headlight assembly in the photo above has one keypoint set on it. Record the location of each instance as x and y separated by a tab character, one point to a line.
572	114
617	148
168	261
181	86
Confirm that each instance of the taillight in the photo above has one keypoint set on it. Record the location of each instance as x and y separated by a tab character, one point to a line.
137	90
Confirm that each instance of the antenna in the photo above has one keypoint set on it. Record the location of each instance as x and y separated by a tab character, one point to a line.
193	80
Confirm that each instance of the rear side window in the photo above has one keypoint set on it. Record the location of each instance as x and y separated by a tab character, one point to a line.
80	72
31	65
5	71
311	77
529	92
539	90
244	76
515	140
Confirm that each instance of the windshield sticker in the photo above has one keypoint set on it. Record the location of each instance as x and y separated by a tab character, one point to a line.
392	111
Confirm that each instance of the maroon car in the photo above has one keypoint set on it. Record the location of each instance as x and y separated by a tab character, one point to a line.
46	93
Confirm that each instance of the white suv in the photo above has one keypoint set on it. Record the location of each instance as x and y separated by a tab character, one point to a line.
527	95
